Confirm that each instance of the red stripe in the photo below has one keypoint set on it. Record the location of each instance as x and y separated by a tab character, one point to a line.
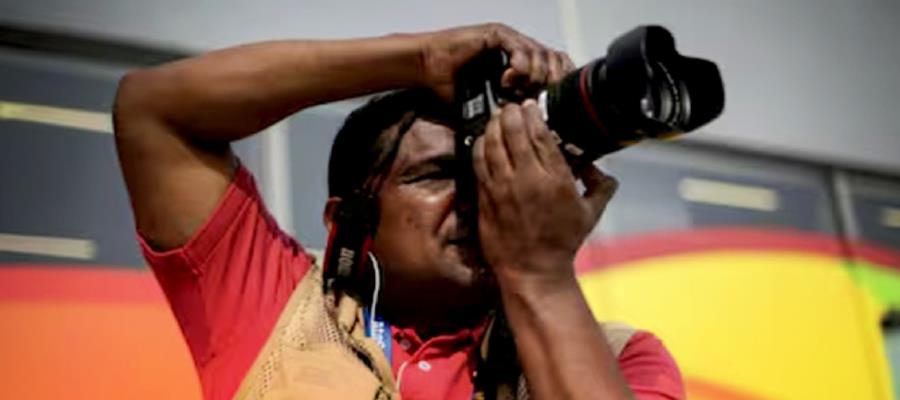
21	282
609	252
877	255
586	99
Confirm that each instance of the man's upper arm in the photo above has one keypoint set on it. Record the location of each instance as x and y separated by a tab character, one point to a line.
174	182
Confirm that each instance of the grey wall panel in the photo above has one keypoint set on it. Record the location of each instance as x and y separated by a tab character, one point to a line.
57	81
62	182
651	196
875	206
205	24
65	183
871	218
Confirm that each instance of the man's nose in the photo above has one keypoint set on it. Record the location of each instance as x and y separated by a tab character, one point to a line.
465	204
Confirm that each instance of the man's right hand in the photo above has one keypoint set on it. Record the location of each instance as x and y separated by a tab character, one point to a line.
532	64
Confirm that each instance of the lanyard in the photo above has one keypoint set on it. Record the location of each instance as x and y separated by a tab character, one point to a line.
380	331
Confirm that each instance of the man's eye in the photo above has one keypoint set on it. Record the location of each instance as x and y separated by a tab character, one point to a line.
431	176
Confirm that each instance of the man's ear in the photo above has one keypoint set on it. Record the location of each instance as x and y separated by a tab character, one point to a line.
330	209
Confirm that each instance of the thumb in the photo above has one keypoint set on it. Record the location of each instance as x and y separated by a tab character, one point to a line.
599	189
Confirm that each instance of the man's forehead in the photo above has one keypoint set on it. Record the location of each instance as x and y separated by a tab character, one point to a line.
425	140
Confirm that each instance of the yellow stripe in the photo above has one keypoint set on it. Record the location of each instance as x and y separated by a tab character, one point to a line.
80	249
774	324
728	194
58	116
890	217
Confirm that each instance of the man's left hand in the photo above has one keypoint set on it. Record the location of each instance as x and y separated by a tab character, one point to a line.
532	217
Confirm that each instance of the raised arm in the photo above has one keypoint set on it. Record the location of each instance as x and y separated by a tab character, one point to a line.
174	123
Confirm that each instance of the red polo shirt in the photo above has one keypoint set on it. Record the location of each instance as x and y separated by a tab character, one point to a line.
229	283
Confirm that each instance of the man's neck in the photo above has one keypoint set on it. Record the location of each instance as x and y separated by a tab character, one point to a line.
428	325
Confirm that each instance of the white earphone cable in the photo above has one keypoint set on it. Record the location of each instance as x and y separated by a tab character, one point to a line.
372	310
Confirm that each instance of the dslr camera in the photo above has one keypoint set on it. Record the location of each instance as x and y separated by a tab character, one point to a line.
642	89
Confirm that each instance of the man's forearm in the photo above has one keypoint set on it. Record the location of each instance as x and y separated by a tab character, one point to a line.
232	93
562	349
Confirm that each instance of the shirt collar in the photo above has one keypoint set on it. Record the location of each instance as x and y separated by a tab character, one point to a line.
460	338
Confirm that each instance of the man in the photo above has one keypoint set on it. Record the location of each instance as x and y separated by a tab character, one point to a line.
234	280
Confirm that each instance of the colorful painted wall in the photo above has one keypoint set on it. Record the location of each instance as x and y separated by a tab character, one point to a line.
755	314
748	313
89	332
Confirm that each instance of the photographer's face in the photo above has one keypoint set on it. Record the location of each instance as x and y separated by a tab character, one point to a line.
419	239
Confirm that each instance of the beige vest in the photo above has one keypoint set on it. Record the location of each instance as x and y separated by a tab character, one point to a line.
319	350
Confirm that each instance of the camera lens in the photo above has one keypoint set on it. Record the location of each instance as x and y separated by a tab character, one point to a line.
664	101
642	89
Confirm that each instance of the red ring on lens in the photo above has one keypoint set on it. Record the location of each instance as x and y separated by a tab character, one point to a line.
586	98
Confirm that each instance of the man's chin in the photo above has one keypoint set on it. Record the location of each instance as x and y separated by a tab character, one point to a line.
468	256
473	278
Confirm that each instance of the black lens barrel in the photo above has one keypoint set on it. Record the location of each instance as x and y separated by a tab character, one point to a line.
642	89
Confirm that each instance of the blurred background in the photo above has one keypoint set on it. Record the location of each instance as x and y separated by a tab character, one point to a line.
764	249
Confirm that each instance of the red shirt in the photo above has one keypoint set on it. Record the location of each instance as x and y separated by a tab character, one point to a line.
229	283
